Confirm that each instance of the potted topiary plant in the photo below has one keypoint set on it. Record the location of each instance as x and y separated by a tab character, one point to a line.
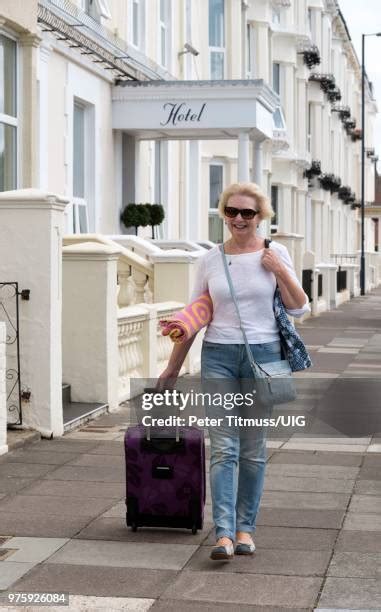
157	216
135	215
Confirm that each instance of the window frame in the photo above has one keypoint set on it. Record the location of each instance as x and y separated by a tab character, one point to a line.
141	25
81	201
10	120
217	49
166	27
251	56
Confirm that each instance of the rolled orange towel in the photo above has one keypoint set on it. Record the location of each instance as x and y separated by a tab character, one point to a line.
187	322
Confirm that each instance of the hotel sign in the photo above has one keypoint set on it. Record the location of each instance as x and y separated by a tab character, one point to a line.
176	113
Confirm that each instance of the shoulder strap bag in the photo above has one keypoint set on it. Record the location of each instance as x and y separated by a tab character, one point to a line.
274	384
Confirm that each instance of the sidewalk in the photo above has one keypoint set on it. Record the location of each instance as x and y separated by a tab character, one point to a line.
62	512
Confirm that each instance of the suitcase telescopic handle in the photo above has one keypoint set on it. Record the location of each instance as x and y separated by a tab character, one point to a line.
148	427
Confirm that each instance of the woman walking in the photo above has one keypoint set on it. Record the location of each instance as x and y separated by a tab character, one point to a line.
237	463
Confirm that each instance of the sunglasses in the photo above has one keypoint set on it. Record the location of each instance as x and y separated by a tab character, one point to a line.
246	213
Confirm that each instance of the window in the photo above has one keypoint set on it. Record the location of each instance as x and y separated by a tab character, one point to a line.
8	114
216	175
274	205
217	38
309	20
164	31
276	77
137	23
309	127
250	51
96	9
80	218
276	16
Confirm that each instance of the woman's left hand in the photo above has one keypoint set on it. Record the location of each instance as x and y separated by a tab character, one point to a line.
271	262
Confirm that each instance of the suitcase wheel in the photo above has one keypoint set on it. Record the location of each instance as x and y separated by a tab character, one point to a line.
194	529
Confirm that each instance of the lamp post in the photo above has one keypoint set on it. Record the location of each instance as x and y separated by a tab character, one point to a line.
362	258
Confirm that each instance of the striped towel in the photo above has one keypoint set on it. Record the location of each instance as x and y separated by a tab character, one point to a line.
187	322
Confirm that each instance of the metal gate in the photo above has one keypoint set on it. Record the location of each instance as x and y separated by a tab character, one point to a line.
9	313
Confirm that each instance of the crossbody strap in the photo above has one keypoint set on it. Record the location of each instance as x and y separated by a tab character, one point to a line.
250	357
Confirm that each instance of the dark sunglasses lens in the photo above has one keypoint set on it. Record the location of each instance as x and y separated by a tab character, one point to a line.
231	212
246	213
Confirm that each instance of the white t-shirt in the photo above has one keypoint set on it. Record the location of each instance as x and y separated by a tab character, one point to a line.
254	287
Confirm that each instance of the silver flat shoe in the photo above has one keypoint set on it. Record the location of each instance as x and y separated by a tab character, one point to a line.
243	548
222	553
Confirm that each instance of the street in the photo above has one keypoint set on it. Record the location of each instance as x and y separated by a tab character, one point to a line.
62	511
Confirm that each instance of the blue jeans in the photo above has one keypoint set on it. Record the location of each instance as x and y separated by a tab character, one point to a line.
238	457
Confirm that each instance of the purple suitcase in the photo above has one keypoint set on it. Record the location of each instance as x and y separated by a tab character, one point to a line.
165	477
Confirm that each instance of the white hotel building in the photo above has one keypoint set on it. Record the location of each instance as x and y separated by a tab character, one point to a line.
108	102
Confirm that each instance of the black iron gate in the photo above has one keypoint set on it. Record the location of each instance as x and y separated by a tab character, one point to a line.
9	313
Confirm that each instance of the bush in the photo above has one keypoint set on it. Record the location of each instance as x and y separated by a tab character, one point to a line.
135	215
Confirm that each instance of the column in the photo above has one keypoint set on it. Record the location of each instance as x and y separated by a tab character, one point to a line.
257	171
89	323
43	77
31	253
29	111
194	190
243	157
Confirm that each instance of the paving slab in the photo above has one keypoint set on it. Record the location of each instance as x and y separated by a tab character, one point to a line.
237	589
108	447
266	561
362	521
9	484
313	471
92	580
96	460
316	458
321	446
54	506
62	488
374	448
79	603
172	605
89	474
116	529
42	457
10	572
24	470
41	525
124	554
323	519
64	445
351	593
365	503
33	550
368	487
355	565
359	541
318	485
323	501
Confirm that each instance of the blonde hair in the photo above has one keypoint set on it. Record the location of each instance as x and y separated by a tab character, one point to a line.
247	189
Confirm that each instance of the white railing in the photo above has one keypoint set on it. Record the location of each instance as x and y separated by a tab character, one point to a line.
135	273
143	351
3	397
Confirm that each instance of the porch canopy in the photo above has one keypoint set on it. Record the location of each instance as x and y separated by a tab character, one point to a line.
199	110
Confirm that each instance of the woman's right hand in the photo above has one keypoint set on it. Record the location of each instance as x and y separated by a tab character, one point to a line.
167	379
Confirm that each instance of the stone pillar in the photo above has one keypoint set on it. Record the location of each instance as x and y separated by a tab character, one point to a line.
43	78
31	254
194	190
3	396
173	281
243	157
29	44
257	171
89	323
